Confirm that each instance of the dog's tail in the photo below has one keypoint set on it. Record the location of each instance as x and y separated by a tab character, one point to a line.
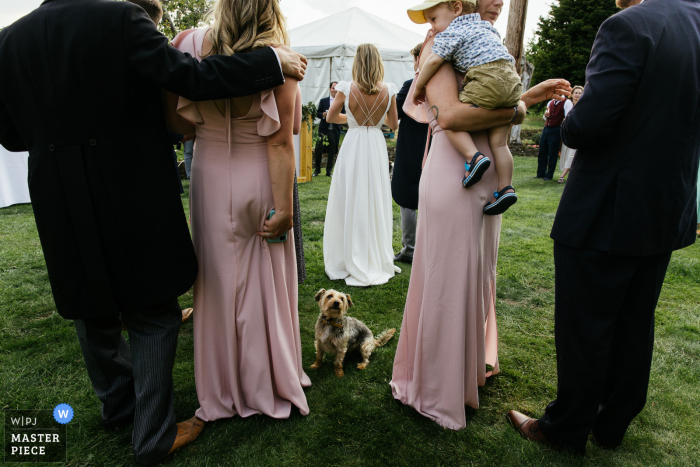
384	337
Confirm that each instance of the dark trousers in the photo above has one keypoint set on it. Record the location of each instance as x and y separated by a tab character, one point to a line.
332	150
550	144
604	335
135	380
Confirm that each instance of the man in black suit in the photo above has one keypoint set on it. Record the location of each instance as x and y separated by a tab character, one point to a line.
80	80
331	131
408	166
629	202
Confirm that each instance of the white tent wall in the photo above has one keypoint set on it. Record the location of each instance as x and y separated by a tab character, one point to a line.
330	43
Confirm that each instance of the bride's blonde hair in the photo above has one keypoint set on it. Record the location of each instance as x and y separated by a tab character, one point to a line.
244	25
368	69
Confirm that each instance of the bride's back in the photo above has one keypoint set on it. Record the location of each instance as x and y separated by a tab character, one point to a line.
369	97
368	109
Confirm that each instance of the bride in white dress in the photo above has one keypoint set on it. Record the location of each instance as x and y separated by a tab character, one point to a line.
357	235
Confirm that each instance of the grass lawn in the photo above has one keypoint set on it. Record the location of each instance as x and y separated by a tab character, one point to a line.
354	421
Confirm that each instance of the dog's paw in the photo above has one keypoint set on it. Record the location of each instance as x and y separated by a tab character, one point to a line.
361	366
339	372
316	365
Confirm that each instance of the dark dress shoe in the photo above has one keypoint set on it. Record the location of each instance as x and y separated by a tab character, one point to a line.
403	258
316	174
528	427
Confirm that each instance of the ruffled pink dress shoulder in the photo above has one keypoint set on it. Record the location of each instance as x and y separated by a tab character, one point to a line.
448	334
247	347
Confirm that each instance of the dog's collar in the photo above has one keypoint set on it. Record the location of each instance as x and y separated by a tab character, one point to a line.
331	321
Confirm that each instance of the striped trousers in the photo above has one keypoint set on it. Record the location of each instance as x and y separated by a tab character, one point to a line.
134	380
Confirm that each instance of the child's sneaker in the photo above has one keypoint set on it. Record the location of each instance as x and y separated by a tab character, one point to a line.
477	169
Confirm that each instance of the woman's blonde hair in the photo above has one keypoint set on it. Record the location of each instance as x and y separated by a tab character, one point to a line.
368	69
244	25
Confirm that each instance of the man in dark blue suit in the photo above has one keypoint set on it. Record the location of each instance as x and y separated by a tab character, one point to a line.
629	202
331	131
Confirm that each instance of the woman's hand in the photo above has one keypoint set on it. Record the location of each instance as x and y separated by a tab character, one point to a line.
280	223
557	89
418	96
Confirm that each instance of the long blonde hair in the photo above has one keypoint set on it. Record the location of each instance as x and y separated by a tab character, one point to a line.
244	25
368	69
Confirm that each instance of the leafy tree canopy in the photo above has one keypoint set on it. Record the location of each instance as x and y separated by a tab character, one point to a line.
562	44
179	15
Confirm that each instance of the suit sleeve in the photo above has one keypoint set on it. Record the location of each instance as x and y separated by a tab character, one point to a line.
9	137
216	77
401	98
612	77
320	109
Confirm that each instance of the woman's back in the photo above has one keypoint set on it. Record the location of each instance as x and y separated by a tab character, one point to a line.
368	109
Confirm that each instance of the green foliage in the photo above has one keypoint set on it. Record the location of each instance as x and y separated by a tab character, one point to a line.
185	14
308	114
564	38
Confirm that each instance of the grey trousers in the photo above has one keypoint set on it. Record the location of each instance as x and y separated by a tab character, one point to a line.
135	380
408	231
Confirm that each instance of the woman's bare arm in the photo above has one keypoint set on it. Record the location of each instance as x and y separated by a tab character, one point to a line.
392	116
334	115
173	120
281	162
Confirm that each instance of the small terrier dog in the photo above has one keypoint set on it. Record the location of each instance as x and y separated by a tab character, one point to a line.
337	333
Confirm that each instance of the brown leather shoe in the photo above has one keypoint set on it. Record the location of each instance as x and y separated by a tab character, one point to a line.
187	432
186	313
528	428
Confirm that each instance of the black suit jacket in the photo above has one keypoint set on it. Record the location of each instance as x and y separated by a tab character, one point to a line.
410	147
632	187
323	106
80	89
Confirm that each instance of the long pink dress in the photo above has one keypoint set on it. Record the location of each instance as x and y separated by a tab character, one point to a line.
247	347
448	334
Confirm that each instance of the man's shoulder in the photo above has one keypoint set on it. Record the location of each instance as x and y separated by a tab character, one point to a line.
407	83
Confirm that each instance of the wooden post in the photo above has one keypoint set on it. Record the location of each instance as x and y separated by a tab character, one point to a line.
515	34
306	139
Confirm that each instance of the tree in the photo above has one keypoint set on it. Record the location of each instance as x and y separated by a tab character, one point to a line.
563	40
179	15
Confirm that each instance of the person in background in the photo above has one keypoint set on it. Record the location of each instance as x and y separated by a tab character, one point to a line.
550	140
357	232
330	131
410	148
567	154
188	152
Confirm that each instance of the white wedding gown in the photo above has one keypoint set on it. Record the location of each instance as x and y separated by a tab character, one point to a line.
357	235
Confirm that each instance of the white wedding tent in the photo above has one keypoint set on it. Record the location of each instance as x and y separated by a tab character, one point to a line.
329	44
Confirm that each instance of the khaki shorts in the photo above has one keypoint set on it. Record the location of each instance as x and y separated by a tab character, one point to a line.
492	85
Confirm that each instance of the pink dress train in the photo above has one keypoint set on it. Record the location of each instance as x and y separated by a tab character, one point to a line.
247	346
448	334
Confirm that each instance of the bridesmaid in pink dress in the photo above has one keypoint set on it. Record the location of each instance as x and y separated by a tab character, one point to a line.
247	347
448	335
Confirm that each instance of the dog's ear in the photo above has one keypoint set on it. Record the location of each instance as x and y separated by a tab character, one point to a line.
319	294
349	300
